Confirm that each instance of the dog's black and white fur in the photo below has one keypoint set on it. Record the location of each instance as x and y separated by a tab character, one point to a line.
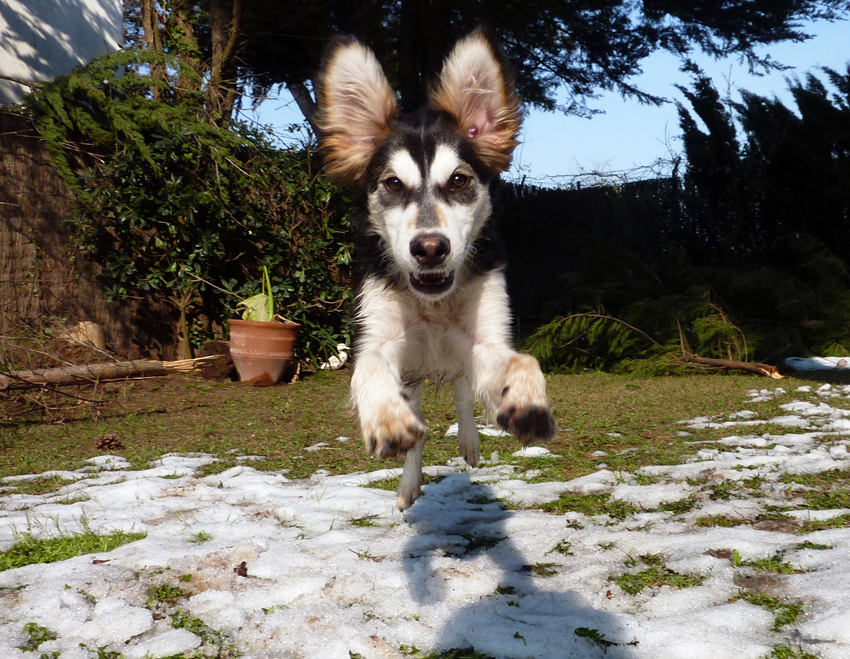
432	303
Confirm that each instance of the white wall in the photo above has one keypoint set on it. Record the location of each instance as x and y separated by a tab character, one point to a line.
44	39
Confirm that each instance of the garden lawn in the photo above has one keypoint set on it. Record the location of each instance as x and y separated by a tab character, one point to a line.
698	517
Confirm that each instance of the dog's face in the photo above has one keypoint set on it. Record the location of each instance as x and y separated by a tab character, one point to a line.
426	175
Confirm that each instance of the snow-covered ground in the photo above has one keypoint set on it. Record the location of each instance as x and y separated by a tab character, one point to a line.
332	570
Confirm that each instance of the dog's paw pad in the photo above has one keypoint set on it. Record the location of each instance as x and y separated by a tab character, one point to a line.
392	431
530	424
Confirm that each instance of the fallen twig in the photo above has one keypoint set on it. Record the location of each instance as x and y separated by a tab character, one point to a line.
94	373
759	369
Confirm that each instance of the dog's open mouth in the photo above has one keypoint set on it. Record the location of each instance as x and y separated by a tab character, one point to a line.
432	282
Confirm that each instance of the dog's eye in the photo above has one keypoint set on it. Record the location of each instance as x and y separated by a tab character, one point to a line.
393	184
459	181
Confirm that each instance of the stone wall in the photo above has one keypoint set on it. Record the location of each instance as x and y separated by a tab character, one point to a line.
44	281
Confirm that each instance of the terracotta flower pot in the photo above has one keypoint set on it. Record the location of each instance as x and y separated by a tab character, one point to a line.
260	350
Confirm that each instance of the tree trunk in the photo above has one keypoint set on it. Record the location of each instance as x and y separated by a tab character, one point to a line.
304	101
225	28
153	41
182	34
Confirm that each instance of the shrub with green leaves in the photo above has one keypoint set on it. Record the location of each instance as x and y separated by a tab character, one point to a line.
176	207
649	320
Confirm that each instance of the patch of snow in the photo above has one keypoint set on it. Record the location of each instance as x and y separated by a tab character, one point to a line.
453	571
486	430
534	452
816	363
645	497
109	462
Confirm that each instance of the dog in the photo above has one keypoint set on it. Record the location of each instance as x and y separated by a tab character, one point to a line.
432	302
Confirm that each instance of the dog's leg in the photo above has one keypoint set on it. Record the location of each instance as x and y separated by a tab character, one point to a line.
514	391
411	477
509	384
389	422
467	432
524	407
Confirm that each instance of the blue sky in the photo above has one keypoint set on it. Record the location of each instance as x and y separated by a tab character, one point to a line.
556	147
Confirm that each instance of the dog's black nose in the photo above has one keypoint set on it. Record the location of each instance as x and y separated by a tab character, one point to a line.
430	249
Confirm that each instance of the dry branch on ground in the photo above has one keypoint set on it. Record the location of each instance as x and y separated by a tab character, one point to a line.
92	373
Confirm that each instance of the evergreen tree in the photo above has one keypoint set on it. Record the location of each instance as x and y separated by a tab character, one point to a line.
579	46
802	159
721	218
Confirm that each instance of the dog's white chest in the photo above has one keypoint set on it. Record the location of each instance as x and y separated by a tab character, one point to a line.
439	346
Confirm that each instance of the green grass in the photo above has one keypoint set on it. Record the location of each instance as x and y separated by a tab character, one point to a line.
710	521
391	484
477	543
366	520
457	653
722	491
187	414
827	490
103	653
635	420
821	479
563	547
645	479
36	635
542	569
839	522
770	513
812	545
786	613
773	564
828	500
35	486
28	549
200	537
784	652
679	507
655	575
164	594
590	505
210	637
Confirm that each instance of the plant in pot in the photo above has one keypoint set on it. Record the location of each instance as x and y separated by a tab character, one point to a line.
262	343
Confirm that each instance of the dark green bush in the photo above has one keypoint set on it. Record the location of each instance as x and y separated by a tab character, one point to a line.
174	206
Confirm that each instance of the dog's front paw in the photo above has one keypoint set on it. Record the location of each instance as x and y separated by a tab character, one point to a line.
391	428
408	492
530	423
524	409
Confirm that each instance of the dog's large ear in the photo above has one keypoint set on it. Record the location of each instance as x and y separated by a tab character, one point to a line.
476	89
357	109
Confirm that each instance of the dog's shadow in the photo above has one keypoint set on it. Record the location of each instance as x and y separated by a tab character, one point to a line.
463	553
